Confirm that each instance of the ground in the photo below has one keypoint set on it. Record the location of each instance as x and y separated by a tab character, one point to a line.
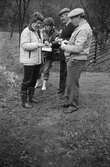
45	136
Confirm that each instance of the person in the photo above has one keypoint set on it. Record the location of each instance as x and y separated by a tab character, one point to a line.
49	35
78	48
30	57
65	34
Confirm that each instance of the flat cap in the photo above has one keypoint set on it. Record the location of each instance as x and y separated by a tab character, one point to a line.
76	12
64	10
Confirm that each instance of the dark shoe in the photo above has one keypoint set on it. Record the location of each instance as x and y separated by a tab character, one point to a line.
60	91
34	100
71	109
27	105
66	105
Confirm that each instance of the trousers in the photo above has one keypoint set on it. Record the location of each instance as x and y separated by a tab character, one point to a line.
63	74
31	74
46	69
74	69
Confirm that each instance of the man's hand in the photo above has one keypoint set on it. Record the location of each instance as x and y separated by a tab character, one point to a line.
59	40
47	44
64	42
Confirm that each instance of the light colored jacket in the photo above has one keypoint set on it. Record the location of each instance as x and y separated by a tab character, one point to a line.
30	50
79	43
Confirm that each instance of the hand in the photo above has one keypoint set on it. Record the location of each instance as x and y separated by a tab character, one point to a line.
46	43
57	39
41	44
63	46
65	42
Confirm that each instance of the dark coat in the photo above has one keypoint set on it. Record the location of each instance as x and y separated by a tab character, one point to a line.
50	37
67	30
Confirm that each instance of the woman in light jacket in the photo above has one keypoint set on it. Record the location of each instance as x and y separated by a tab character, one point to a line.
30	57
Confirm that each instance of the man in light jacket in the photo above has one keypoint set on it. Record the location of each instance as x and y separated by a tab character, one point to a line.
78	49
30	57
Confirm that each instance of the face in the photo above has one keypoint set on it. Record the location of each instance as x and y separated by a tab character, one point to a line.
75	20
37	25
64	18
48	28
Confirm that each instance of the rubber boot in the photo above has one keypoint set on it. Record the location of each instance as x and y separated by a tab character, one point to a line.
25	104
31	91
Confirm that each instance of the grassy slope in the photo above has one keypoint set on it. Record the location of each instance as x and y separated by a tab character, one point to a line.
45	136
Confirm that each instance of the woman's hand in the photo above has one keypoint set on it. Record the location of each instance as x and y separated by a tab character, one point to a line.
41	44
47	43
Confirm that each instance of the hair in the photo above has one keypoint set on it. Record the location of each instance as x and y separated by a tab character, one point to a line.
49	21
36	16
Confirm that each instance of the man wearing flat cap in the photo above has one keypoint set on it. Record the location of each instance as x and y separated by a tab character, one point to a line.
78	49
66	32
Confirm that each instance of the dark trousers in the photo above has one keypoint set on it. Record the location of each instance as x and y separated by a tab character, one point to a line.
74	69
63	74
31	74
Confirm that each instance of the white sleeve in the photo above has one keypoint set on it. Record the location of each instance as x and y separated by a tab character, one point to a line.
26	41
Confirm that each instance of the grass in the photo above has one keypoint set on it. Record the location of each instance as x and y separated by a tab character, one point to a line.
46	137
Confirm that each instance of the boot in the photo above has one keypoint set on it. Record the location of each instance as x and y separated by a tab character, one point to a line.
44	85
31	91
25	104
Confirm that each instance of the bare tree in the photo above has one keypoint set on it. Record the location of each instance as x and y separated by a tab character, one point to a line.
19	15
2	6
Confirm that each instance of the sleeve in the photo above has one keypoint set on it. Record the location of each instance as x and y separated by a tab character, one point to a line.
80	40
26	43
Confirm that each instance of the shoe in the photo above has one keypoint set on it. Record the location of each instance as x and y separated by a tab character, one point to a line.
44	85
60	91
71	109
27	105
38	83
34	100
44	88
65	105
